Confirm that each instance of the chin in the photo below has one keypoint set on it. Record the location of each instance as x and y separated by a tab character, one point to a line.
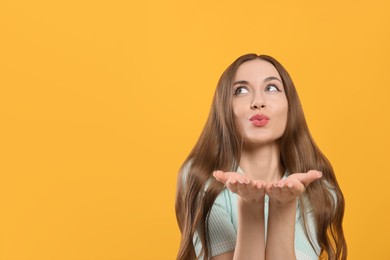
259	141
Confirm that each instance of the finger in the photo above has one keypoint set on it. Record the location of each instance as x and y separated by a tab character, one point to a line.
269	186
225	176
309	177
242	189
272	188
249	184
282	187
231	184
288	190
243	179
281	183
259	184
254	186
295	188
221	176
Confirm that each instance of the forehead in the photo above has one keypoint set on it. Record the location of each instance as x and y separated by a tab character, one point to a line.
256	69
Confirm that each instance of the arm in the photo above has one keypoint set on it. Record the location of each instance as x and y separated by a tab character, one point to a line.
250	234
282	211
281	230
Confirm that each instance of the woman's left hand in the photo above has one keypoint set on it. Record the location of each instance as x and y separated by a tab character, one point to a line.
287	190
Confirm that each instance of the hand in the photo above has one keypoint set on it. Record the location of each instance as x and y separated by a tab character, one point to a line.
287	190
249	190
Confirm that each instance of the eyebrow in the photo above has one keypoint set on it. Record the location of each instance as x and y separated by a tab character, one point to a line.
272	78
241	82
265	80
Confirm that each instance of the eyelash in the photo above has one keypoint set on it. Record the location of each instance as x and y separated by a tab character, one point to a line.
243	87
236	90
273	85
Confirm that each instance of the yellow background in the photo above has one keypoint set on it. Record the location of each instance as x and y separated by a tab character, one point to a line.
101	101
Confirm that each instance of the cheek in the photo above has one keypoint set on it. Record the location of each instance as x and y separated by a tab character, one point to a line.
285	116
239	115
237	118
283	113
238	110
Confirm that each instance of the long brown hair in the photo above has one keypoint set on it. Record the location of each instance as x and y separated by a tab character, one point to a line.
219	148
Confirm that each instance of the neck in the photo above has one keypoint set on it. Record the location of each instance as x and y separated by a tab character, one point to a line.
262	162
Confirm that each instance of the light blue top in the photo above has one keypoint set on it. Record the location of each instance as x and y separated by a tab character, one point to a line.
223	228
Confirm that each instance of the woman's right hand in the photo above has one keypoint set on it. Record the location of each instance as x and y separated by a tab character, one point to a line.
249	190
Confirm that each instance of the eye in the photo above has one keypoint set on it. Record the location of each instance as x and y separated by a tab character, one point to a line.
272	88
240	90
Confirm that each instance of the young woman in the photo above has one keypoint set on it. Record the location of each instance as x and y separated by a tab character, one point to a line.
256	186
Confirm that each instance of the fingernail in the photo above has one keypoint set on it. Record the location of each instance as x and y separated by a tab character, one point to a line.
320	174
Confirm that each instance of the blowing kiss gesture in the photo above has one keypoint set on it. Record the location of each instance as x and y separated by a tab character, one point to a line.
279	192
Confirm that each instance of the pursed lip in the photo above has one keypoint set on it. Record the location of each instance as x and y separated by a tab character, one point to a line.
259	120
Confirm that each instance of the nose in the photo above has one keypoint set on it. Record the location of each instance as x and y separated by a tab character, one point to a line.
254	106
258	102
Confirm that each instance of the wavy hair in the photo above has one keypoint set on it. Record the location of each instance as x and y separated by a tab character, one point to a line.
219	148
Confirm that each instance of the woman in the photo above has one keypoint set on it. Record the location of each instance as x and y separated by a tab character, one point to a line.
256	186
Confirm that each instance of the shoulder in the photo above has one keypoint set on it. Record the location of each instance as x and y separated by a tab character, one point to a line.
222	225
306	242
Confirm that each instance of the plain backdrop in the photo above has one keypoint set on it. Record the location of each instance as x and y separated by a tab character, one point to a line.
101	101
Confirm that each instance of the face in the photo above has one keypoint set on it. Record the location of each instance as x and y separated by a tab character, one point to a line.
259	103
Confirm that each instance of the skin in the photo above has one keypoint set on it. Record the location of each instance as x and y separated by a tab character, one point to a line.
259	90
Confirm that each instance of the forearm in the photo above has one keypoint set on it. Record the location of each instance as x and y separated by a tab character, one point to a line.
281	231
250	234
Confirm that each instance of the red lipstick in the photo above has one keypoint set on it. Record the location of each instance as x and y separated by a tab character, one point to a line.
259	120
